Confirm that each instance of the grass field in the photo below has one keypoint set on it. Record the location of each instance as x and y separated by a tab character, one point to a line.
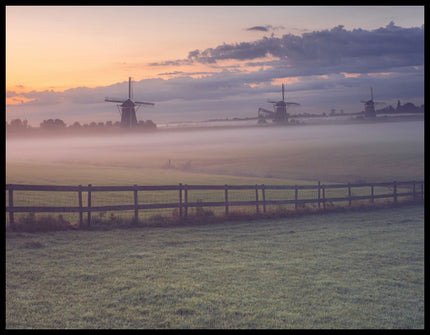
270	156
344	270
339	270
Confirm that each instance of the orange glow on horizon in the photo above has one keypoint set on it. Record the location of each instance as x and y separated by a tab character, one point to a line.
17	100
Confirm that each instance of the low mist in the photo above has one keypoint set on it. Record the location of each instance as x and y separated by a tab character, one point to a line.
373	151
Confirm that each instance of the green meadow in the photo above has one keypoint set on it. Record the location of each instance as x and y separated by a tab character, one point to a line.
340	270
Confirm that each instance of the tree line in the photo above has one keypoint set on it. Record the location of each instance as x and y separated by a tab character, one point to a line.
18	125
408	107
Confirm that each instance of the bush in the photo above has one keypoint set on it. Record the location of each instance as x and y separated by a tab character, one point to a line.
200	211
32	224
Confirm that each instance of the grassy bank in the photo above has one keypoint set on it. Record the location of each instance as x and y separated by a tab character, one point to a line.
340	270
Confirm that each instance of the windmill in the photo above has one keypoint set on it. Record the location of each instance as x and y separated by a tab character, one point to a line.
128	107
279	115
369	105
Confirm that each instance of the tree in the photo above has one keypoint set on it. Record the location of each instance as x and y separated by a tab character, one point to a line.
59	123
17	124
52	124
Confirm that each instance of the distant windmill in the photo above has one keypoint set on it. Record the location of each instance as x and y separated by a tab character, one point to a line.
279	115
369	105
128	107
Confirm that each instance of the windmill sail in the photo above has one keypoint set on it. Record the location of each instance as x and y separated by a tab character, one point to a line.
369	106
128	108
279	115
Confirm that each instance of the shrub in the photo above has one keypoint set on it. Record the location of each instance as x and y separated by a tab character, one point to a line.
200	211
30	223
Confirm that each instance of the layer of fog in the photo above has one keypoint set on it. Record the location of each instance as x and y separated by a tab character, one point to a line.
212	145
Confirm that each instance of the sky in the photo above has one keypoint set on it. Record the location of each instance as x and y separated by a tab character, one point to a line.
207	62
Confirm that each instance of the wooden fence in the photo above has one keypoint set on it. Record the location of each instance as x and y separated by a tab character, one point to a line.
412	189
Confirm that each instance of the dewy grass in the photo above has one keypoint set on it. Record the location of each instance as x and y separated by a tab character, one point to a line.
339	270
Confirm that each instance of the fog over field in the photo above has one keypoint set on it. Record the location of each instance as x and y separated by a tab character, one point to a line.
330	153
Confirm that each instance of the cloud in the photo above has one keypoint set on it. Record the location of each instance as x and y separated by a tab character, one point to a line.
259	28
326	51
177	62
265	28
182	73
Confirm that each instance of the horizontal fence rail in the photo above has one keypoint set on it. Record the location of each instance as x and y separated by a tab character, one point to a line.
260	197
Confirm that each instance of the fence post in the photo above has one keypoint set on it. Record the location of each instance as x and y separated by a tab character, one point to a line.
81	217
323	194
296	193
89	205
264	198
226	199
349	194
256	199
180	200
136	204
11	216
395	191
186	200
319	194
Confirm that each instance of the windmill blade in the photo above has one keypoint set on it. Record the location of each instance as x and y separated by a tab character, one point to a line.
272	101
130	88
292	103
144	103
114	100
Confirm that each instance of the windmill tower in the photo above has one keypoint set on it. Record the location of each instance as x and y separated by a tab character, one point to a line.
279	115
128	107
369	105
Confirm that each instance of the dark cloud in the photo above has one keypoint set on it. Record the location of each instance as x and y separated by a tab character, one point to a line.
321	52
259	28
327	51
265	28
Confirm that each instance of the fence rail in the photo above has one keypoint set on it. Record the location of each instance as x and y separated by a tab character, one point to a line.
394	190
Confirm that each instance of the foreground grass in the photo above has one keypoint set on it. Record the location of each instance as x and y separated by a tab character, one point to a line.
340	270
